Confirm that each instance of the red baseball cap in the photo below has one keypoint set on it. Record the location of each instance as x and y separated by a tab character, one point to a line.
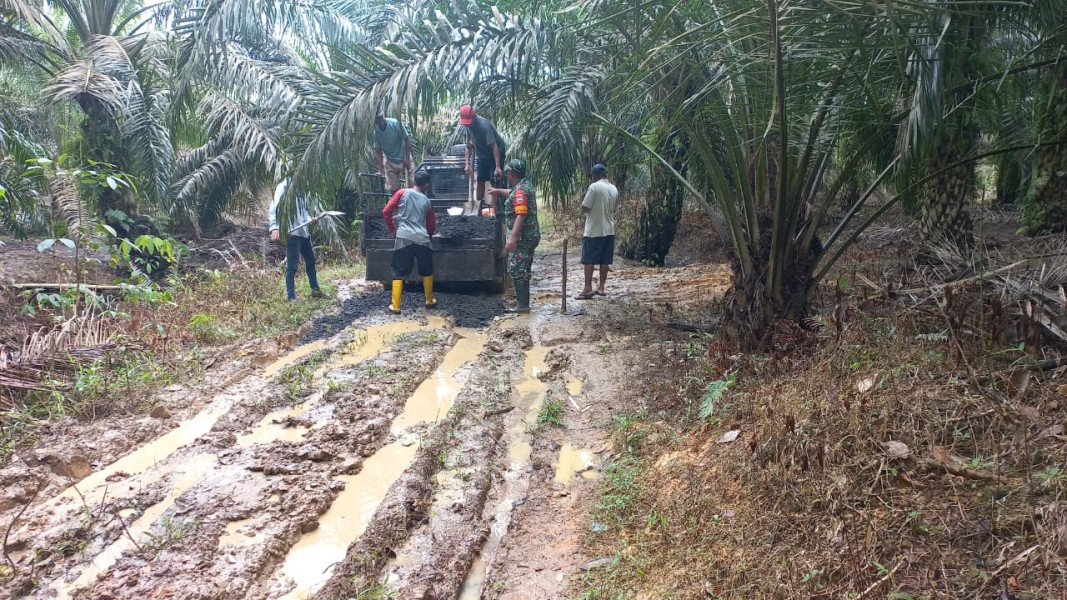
466	114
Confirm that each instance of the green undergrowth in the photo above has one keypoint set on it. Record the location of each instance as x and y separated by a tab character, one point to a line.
152	336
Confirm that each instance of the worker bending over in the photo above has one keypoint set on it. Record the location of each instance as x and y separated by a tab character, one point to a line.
392	151
409	215
485	146
524	232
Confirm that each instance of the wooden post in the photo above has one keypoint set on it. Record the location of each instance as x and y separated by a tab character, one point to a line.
565	274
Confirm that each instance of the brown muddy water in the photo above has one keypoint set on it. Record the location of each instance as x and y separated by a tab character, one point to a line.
354	508
530	396
185	476
309	563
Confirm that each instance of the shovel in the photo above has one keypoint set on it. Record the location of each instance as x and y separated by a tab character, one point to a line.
325	213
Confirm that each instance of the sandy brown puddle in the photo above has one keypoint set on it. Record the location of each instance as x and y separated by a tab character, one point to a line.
310	562
154	462
529	397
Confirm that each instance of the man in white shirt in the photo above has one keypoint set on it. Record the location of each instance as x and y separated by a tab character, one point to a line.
598	241
297	243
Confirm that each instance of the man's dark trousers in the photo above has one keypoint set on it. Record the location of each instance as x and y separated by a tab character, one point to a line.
295	246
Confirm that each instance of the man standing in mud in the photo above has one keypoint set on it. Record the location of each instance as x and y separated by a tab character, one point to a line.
524	232
486	146
392	151
598	240
297	242
409	215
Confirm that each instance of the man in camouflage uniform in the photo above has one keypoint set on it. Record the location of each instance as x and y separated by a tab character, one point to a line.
524	232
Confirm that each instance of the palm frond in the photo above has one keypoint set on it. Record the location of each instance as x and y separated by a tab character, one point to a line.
556	133
432	54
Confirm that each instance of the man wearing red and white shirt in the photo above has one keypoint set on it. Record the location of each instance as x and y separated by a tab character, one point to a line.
409	215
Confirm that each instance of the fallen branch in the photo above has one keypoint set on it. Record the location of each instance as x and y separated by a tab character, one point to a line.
981	415
1046	365
498	411
128	534
1014	560
964	472
11	525
947	284
692	327
65	286
878	583
574	403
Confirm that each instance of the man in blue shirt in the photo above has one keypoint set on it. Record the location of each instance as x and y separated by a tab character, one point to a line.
392	151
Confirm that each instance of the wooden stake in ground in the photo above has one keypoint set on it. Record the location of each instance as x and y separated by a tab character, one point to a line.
565	275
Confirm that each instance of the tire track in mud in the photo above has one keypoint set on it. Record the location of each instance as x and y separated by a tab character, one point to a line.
454	505
429	529
291	480
400	472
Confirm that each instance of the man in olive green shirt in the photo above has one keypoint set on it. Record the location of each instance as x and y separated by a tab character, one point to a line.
524	232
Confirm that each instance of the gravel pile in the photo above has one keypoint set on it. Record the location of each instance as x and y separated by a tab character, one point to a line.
462	227
468	310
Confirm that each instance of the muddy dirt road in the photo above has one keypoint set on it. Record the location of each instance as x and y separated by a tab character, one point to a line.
400	455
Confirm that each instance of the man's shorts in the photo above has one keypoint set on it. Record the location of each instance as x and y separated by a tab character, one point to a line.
393	171
486	166
598	250
404	259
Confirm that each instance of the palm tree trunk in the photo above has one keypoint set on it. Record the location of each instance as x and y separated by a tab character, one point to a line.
1013	179
1046	212
943	202
658	220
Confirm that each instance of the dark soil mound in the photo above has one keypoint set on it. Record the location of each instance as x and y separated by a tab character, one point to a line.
375	229
461	227
465	227
467	310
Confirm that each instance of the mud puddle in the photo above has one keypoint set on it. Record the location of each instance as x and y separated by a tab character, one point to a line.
472	586
529	394
352	511
435	395
365	345
281	475
573	462
310	562
94	487
293	357
238	533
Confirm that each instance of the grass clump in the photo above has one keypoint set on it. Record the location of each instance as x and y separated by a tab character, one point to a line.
551	412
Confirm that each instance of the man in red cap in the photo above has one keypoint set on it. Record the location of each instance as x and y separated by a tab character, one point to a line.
486	145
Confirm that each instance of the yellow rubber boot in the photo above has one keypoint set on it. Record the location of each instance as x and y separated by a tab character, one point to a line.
398	291
427	286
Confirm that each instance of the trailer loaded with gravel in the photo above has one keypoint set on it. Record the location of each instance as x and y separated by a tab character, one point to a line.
468	245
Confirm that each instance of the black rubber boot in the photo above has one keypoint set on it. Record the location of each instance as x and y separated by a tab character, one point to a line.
522	298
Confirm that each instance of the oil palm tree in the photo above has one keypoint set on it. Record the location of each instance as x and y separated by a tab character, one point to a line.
949	113
101	56
1045	211
247	73
1045	206
781	107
